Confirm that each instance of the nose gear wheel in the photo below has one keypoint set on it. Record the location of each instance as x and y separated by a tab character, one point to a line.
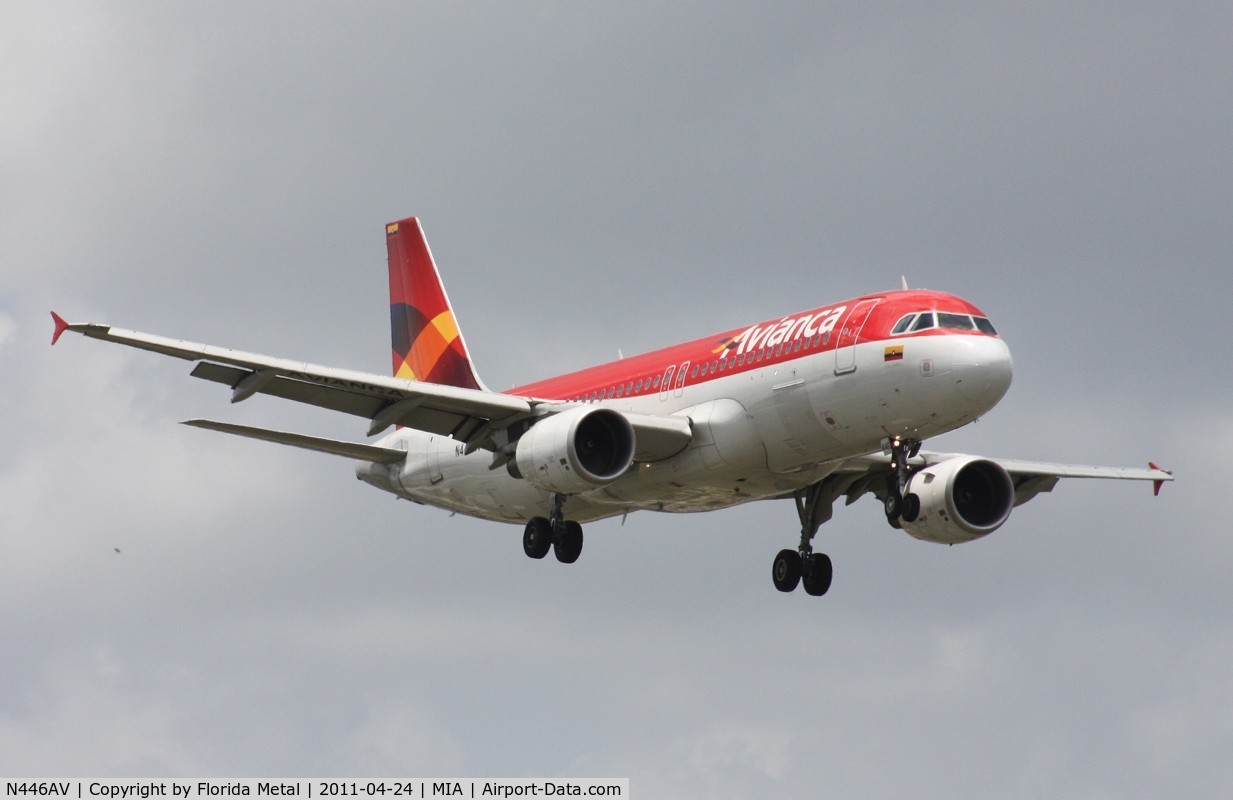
901	507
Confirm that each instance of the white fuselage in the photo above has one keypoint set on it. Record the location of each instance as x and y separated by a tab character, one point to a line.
757	433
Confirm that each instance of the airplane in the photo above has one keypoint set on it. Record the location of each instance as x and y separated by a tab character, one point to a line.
834	401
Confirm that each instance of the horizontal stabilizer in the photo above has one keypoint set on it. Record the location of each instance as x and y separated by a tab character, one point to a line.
354	450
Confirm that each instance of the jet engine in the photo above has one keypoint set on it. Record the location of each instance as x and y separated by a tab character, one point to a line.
961	499
575	451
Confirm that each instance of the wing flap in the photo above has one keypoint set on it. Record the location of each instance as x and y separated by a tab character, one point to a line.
353	450
361	405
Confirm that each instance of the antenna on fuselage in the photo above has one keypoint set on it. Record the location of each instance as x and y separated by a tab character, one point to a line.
903	279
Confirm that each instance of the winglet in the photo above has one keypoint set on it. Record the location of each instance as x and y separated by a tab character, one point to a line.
61	327
1157	483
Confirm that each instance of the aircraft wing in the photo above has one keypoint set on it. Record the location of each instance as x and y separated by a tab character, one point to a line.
444	410
1033	477
467	415
858	475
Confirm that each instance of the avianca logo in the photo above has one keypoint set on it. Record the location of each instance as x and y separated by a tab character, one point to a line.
786	330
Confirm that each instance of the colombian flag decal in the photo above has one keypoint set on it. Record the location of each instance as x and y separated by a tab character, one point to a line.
893	353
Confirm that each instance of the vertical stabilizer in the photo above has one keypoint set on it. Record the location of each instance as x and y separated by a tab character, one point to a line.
426	341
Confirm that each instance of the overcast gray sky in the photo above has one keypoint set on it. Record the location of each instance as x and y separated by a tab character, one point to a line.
594	177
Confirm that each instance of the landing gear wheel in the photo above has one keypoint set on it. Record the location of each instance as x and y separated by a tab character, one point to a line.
818	574
537	538
893	506
901	508
911	508
786	570
568	545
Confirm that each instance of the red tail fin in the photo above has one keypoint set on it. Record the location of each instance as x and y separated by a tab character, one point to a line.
426	341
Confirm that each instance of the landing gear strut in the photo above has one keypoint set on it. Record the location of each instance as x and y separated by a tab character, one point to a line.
562	536
901	507
802	565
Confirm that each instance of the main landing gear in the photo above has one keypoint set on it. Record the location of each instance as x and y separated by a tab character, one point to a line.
802	565
554	532
901	507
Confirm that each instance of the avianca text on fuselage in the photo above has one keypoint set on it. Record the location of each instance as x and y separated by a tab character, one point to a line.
789	329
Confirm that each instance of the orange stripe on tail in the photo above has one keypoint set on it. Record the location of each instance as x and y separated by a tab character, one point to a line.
424	336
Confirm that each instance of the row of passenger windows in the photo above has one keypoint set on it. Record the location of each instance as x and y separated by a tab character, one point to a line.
926	320
702	370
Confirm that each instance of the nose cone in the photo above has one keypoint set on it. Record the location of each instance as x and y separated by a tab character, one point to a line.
982	369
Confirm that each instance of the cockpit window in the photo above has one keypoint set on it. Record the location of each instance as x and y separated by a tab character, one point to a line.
955	322
902	325
927	320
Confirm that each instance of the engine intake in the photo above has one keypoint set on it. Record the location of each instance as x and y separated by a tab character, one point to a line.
576	450
961	499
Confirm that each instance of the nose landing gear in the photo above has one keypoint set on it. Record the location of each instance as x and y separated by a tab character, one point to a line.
901	507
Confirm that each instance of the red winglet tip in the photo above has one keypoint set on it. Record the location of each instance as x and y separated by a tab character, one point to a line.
61	327
1156	484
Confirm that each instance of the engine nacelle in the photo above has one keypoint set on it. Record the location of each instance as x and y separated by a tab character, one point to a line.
576	450
961	499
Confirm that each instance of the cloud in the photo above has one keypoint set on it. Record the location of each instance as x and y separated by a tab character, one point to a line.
8	331
594	179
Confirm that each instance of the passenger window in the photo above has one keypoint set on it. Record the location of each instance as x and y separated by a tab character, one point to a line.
902	325
957	322
924	322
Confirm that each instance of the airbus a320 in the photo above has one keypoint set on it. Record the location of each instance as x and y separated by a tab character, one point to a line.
827	403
